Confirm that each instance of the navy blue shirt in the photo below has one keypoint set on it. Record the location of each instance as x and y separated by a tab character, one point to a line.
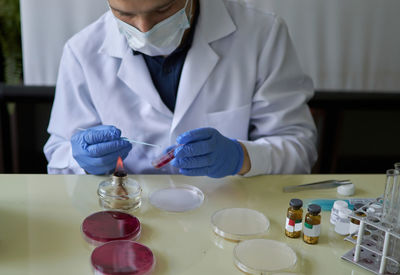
166	71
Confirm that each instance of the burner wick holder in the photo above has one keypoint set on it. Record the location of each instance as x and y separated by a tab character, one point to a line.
119	192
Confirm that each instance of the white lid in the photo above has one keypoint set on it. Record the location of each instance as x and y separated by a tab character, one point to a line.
239	223
344	213
371	210
376	206
259	256
340	204
177	199
346	190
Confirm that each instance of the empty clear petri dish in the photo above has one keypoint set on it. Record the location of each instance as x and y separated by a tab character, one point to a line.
177	198
259	256
239	223
122	257
106	226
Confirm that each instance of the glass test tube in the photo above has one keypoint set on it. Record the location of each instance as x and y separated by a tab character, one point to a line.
395	251
391	197
397	168
165	158
390	217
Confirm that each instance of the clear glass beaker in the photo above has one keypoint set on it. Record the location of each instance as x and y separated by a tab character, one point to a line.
391	216
397	168
394	266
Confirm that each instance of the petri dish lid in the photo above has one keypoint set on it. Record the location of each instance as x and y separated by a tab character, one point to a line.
177	199
123	257
239	223
106	226
258	256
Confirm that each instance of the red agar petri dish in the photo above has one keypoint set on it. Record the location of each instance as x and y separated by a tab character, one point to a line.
122	258
106	226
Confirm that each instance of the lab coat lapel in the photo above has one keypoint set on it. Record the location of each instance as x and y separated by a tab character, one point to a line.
134	73
213	23
195	72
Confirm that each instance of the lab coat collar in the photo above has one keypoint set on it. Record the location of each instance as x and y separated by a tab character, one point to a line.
134	73
214	23
114	43
133	70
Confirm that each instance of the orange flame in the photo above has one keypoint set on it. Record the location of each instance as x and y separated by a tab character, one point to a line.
120	165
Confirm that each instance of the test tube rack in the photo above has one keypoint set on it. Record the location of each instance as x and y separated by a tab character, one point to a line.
372	243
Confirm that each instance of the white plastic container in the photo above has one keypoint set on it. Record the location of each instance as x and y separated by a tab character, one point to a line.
335	210
342	225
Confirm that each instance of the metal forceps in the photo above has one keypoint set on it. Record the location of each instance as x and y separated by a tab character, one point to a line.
316	185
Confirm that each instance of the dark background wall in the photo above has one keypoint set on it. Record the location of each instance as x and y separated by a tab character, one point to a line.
1	66
358	132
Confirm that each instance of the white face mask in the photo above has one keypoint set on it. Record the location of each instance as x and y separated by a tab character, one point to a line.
162	39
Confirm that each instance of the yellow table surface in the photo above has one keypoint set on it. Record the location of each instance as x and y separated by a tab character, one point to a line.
41	215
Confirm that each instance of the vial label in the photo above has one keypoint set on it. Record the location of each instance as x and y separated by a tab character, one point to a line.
334	216
293	225
312	230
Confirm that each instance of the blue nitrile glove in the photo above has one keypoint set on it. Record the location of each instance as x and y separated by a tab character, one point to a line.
205	152
97	149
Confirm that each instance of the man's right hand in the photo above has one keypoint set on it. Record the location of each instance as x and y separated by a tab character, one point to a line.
97	149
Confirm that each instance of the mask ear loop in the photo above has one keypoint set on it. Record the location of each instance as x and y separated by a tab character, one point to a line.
190	11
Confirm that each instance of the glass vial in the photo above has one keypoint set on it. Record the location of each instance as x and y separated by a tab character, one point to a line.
294	219
335	210
354	222
312	224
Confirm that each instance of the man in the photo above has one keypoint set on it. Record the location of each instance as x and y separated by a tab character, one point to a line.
217	76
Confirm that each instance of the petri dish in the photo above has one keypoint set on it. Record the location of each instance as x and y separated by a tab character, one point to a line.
106	226
239	223
259	256
177	199
122	257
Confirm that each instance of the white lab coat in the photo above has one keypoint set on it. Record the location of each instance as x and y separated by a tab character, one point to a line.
241	76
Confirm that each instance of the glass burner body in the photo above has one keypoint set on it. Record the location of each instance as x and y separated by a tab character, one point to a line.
120	192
